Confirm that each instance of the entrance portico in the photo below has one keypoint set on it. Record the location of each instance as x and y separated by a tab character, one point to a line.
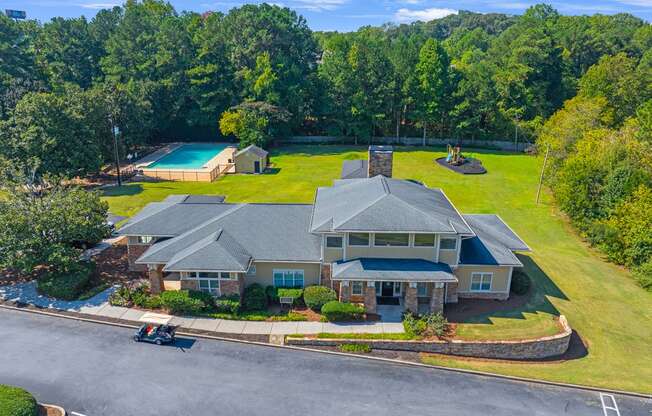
403	282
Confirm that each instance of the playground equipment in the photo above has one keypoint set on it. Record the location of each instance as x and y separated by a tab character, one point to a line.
455	156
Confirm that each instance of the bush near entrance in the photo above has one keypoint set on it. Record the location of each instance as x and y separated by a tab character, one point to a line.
275	293
228	304
431	324
341	311
67	285
254	298
317	296
180	302
520	282
15	401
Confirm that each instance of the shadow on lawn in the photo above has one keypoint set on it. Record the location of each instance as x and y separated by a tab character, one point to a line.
124	190
535	301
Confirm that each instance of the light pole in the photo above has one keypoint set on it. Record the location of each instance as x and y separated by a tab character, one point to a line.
115	130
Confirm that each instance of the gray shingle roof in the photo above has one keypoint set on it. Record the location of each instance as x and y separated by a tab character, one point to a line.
273	232
415	270
253	149
355	169
204	199
384	204
494	242
219	251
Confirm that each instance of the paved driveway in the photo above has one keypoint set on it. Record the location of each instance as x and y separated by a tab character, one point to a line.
96	369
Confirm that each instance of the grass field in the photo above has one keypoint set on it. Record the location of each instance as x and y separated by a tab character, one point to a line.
602	303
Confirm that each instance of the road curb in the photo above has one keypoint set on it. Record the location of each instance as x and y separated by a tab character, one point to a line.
343	354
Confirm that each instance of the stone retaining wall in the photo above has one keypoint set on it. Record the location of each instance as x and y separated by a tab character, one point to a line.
532	349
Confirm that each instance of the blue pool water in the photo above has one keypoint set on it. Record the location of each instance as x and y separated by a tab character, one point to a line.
189	156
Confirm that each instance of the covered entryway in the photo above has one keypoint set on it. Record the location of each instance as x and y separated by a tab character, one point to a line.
393	282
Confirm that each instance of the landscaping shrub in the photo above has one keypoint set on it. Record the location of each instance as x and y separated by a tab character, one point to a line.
358	348
153	302
316	297
430	324
15	401
69	285
228	304
180	302
643	275
254	298
340	311
121	297
520	282
140	296
274	293
204	297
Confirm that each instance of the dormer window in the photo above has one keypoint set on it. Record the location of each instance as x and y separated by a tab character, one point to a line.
448	243
391	240
334	241
359	239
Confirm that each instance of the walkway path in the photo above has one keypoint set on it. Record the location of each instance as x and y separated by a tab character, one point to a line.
98	305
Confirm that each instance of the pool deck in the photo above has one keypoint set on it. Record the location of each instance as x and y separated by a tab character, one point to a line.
220	164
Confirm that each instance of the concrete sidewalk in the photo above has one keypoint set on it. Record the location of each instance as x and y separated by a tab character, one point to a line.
99	306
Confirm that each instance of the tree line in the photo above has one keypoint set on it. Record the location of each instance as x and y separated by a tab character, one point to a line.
258	72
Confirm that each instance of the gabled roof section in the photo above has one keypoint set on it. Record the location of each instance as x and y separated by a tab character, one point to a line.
253	149
384	204
175	215
355	169
219	251
377	269
494	242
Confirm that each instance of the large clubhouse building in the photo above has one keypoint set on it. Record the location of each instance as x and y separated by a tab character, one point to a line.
372	238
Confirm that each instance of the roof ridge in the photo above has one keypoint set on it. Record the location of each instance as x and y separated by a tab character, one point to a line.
358	212
226	234
166	206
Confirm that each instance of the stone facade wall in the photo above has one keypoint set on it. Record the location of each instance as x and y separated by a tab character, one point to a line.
344	292
370	298
532	349
483	295
326	275
437	300
411	299
232	287
133	252
189	285
451	292
156	285
380	161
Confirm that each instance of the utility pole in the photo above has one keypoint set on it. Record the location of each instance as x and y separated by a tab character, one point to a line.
543	169
115	130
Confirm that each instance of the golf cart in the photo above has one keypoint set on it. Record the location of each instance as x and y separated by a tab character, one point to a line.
156	329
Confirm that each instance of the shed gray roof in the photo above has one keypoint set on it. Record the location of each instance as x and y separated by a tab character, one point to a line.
494	242
413	270
384	204
272	232
253	149
355	169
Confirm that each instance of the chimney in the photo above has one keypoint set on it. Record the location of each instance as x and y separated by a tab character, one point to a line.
380	161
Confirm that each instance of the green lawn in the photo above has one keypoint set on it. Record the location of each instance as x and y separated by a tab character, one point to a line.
602	303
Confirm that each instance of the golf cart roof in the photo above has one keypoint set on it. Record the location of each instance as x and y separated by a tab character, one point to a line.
155	318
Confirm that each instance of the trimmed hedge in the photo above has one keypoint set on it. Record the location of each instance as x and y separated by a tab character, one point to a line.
67	286
228	304
180	302
520	282
15	401
356	348
254	298
205	298
274	293
316	297
340	311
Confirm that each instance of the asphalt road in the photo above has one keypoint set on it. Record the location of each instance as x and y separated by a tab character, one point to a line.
95	369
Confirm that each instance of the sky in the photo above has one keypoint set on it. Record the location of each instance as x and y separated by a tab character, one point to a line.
346	15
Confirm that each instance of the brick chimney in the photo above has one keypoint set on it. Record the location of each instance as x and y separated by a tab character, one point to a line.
380	161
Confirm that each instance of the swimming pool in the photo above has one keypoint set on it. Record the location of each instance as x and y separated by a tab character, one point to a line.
189	156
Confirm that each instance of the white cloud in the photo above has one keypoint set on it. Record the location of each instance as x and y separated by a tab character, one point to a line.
98	6
640	3
318	5
407	15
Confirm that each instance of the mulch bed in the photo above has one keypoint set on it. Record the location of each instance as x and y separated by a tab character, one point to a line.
471	166
113	265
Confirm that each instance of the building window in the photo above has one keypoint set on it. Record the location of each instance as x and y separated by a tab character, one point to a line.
424	240
211	286
391	240
356	288
252	270
422	289
209	275
359	239
145	239
481	282
333	241
448	244
288	278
